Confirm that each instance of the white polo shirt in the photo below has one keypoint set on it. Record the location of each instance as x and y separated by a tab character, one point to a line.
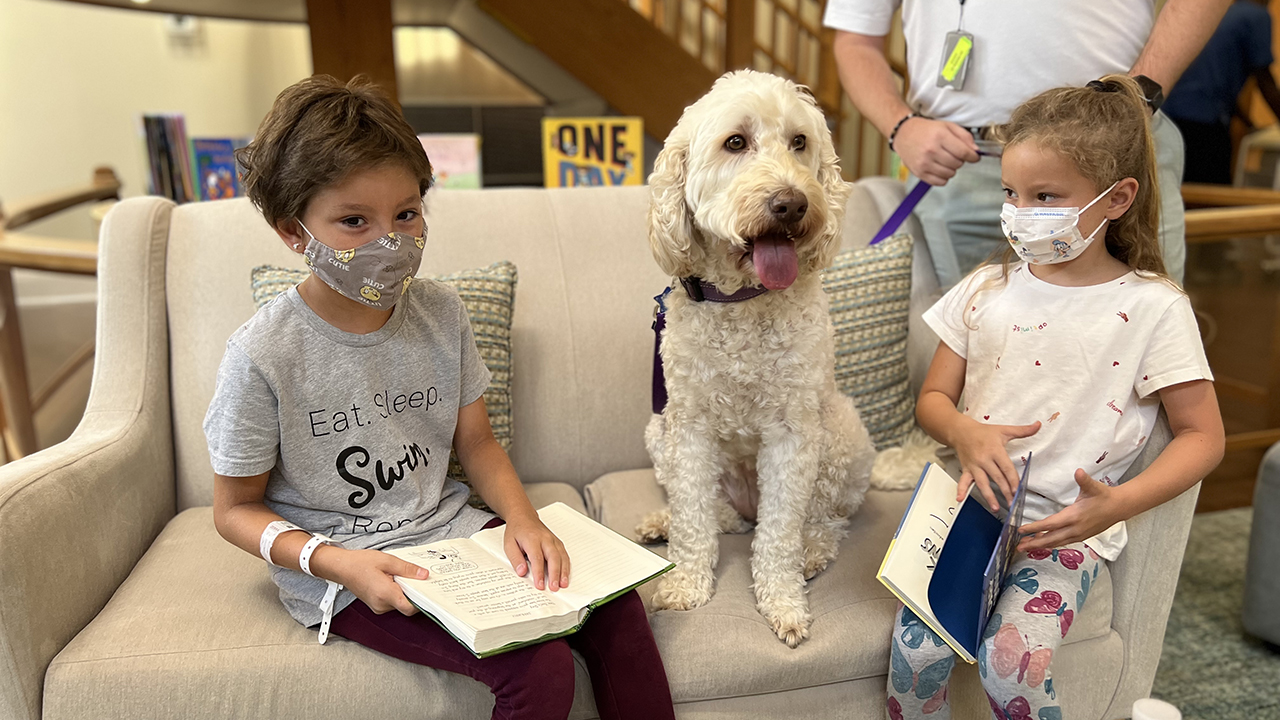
1020	47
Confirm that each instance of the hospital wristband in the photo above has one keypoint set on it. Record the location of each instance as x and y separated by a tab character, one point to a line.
269	534
326	608
330	593
304	558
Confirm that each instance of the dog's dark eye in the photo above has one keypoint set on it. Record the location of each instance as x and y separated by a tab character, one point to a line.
797	143
735	143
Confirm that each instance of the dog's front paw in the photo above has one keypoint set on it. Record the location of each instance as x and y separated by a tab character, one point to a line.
680	590
790	624
817	556
814	564
653	528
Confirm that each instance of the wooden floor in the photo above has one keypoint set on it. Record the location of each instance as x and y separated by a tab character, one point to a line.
1237	301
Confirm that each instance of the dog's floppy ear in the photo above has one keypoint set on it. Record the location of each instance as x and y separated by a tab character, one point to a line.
834	188
837	192
670	227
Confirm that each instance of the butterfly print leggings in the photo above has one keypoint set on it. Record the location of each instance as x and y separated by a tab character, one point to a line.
1043	595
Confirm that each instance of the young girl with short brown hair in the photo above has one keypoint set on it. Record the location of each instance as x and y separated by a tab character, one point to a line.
318	477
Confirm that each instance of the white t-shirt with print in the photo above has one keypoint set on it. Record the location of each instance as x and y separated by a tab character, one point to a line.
1020	48
1086	362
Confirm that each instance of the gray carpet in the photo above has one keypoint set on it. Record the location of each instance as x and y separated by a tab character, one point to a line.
1209	668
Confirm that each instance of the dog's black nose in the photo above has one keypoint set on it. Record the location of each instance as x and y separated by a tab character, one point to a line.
788	206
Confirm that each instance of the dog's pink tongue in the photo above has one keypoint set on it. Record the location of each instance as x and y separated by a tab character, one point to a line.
775	261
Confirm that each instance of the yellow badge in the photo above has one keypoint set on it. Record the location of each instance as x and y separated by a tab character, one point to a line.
959	54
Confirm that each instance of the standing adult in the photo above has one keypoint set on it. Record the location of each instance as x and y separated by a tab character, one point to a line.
1204	100
971	63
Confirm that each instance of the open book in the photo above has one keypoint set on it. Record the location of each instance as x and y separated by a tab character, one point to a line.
475	595
948	559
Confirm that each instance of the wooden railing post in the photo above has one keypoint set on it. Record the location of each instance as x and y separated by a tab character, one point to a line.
350	37
740	34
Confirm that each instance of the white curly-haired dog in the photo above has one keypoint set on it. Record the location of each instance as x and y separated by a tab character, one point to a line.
747	192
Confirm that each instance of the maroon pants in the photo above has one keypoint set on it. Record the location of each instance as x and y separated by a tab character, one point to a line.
536	682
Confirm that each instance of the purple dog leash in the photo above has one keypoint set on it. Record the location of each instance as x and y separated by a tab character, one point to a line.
904	210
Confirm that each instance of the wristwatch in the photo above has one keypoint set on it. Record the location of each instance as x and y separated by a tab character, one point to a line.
1152	91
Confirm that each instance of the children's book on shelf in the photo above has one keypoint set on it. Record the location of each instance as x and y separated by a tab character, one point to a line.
215	168
948	559
168	157
473	592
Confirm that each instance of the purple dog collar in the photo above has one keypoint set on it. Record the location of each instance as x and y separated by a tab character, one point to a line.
700	290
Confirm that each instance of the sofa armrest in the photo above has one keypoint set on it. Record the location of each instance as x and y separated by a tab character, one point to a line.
75	518
1145	577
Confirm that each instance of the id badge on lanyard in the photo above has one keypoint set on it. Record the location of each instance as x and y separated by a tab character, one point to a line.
957	51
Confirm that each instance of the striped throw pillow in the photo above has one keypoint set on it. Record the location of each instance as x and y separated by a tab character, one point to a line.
869	290
489	295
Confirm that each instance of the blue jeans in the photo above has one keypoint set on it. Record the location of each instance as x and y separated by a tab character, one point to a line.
961	219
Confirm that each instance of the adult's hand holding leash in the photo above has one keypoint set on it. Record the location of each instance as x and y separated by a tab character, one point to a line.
933	150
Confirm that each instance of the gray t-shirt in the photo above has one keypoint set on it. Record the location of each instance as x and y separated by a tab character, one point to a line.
355	429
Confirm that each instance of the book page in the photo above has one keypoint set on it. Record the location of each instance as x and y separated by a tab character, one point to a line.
474	587
602	562
913	555
923	531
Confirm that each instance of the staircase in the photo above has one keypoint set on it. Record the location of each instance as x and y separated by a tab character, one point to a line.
651	58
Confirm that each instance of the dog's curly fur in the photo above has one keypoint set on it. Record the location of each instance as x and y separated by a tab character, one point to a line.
752	396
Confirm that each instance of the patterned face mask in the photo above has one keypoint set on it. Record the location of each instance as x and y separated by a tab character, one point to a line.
1047	235
375	274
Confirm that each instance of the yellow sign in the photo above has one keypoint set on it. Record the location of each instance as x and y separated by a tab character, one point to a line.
592	151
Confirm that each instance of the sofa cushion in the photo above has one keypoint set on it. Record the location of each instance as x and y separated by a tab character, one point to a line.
197	630
726	648
489	297
869	290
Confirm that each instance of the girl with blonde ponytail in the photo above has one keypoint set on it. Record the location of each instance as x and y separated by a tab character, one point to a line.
1064	349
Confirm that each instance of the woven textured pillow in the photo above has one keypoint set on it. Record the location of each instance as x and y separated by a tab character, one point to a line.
489	295
870	293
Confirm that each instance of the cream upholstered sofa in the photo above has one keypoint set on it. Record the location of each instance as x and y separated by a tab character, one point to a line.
119	600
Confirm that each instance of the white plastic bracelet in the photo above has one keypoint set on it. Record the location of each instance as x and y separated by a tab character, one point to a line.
269	535
331	593
304	558
326	607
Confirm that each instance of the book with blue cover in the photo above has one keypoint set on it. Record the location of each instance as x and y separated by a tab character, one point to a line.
215	168
948	559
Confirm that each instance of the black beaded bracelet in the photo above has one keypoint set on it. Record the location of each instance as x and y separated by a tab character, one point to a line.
893	134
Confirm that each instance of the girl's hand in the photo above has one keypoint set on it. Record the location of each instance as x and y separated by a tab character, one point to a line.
983	459
1094	510
548	562
368	574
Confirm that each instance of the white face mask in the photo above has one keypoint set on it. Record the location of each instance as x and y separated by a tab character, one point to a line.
1048	235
